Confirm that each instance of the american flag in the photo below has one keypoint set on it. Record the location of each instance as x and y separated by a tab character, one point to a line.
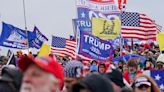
140	26
158	27
62	47
158	76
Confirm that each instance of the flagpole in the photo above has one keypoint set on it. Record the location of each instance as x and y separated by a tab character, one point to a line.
132	43
25	23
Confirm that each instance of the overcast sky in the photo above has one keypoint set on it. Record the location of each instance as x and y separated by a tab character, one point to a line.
54	17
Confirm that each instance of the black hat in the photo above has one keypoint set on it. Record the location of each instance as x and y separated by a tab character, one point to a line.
95	83
116	76
11	74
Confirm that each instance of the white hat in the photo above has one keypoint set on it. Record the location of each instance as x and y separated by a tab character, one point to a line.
142	81
160	58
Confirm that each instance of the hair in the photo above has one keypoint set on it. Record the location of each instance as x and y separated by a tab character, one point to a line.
154	87
93	61
132	62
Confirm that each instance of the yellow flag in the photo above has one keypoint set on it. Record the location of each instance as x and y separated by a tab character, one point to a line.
160	38
106	29
44	50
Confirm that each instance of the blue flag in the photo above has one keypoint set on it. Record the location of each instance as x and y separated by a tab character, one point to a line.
13	37
93	47
37	39
82	25
158	76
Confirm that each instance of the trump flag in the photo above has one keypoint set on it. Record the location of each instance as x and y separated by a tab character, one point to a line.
93	47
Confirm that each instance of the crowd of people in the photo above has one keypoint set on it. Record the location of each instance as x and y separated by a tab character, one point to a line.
56	74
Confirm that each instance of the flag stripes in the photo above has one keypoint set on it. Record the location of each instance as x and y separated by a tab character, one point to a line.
140	26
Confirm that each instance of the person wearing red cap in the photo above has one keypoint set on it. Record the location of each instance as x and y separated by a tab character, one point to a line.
43	74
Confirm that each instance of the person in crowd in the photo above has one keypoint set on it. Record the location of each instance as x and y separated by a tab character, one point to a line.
65	60
86	66
94	66
102	68
155	56
30	54
144	83
93	83
125	68
19	53
148	65
132	71
73	72
160	62
116	52
3	61
41	74
120	65
11	78
116	78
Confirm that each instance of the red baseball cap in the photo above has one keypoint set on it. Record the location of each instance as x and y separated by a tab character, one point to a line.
46	63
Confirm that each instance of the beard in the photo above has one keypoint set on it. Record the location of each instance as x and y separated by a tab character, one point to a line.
27	87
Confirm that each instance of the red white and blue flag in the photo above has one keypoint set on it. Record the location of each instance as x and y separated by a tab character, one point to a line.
158	76
62	47
136	25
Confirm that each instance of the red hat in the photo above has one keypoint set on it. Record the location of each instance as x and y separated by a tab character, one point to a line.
46	63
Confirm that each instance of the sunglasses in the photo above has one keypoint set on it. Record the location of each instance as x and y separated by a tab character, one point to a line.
143	87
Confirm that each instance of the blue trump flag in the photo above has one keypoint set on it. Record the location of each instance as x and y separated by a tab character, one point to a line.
93	47
82	25
13	37
37	39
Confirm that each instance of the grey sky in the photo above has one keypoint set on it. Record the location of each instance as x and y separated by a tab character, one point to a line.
54	17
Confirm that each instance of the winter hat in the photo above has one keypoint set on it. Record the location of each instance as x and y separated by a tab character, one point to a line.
11	74
73	69
95	83
141	81
115	76
160	59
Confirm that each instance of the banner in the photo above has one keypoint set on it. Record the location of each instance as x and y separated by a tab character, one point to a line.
160	38
81	25
93	47
87	13
88	9
13	37
102	1
106	29
39	38
44	50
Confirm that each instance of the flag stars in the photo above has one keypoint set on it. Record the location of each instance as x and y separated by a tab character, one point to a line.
157	77
83	15
161	87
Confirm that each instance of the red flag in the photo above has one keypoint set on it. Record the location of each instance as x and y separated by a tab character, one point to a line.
121	4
